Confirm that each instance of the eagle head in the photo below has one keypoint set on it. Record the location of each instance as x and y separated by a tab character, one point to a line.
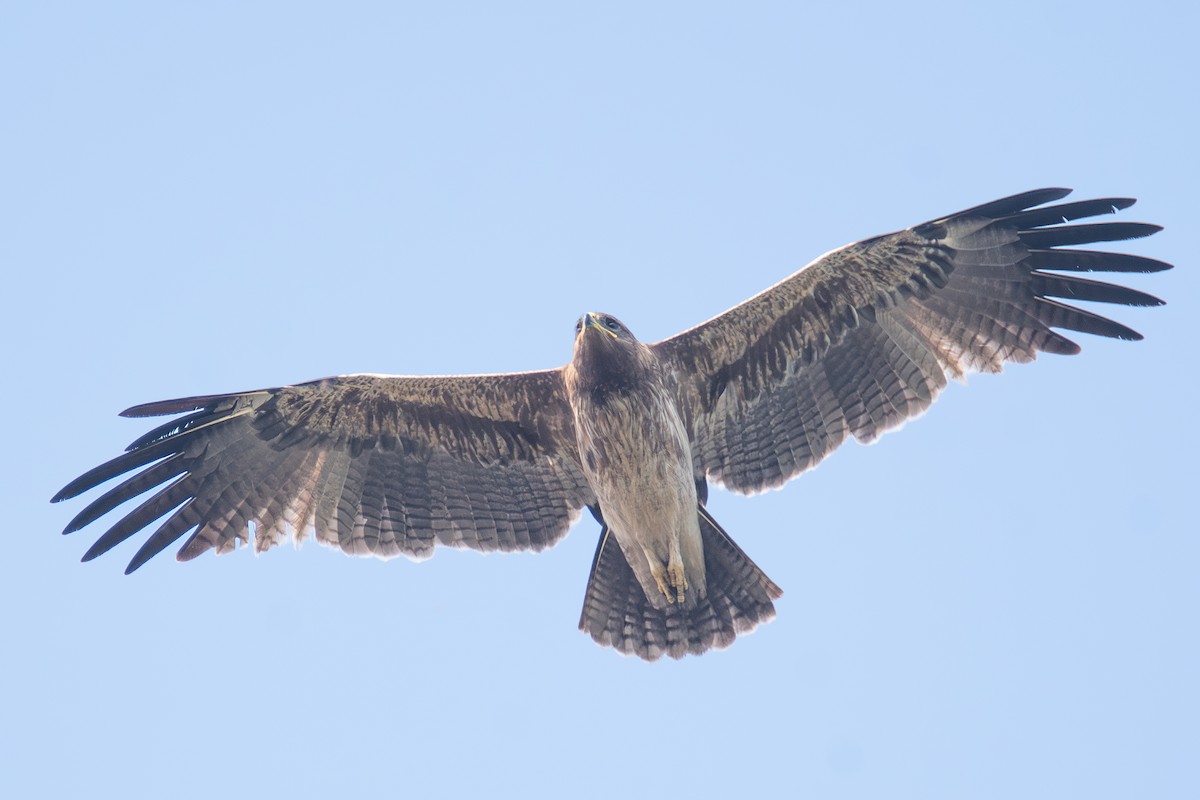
608	357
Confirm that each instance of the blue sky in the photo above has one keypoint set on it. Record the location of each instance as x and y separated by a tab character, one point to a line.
999	601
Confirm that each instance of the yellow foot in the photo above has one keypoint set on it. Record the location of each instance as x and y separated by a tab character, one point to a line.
670	580
678	579
660	578
675	573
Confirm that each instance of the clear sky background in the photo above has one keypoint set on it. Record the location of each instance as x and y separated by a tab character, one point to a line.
1000	601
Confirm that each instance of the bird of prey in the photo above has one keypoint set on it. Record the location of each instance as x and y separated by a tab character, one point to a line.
851	345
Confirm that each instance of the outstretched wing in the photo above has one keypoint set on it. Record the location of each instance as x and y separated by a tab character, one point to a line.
864	337
376	465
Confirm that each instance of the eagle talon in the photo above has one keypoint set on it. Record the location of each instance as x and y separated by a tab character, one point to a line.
676	575
660	578
678	580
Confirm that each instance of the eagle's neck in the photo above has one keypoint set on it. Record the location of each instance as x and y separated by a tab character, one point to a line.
605	371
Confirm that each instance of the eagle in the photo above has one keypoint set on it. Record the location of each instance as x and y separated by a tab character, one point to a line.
852	345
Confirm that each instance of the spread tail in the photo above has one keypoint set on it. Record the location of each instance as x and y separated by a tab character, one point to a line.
617	614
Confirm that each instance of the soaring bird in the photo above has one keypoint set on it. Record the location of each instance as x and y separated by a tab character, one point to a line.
851	345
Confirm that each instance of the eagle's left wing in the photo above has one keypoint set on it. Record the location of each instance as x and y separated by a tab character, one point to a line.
865	337
373	464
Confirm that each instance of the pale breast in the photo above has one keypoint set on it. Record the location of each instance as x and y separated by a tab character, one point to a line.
637	458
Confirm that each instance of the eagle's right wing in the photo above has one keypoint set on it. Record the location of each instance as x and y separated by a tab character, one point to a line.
373	464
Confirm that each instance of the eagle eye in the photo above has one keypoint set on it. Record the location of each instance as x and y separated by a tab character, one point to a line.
612	324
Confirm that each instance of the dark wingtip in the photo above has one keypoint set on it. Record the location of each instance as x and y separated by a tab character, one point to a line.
133	565
144	554
176	406
148	410
72	489
95	551
198	402
1047	195
1007	206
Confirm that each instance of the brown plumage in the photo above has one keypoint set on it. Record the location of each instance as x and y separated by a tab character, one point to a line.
851	345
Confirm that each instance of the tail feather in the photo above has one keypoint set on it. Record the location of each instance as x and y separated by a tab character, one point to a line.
616	612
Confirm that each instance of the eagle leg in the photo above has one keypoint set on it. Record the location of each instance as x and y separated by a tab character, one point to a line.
670	578
660	577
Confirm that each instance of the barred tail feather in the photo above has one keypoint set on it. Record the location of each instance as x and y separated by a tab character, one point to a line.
616	612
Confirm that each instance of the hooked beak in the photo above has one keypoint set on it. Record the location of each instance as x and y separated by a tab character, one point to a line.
592	320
